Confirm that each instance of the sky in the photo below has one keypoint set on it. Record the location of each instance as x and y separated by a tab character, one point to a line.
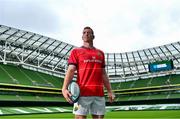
119	25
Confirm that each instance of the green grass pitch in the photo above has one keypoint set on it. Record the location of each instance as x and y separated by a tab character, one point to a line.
167	114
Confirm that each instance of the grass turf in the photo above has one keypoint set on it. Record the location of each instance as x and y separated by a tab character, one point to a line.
166	114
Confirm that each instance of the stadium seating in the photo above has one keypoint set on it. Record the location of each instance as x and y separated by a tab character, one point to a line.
14	74
163	87
19	84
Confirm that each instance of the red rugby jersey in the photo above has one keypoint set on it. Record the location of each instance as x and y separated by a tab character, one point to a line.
89	64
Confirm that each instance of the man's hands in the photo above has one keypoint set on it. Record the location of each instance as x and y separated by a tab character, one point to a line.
111	97
68	77
67	95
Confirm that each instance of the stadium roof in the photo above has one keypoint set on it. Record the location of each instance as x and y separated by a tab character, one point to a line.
33	50
27	48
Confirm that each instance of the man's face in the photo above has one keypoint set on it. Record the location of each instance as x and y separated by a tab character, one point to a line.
87	35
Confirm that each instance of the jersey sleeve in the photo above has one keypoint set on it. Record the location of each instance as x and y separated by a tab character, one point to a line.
73	58
103	63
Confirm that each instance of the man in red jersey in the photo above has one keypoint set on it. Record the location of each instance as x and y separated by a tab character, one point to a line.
89	62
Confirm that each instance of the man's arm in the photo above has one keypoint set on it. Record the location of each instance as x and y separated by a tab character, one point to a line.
108	86
69	76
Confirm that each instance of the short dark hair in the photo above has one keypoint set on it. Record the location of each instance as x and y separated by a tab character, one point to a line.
87	27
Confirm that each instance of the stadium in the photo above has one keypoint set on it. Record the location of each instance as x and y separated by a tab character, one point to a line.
32	68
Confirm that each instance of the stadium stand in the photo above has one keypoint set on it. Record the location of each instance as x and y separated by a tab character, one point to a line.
32	68
19	84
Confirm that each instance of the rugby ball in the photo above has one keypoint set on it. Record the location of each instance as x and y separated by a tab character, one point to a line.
74	89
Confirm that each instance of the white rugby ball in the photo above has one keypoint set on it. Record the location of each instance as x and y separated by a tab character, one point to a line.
74	89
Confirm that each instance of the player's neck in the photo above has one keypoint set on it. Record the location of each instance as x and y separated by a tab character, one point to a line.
88	45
